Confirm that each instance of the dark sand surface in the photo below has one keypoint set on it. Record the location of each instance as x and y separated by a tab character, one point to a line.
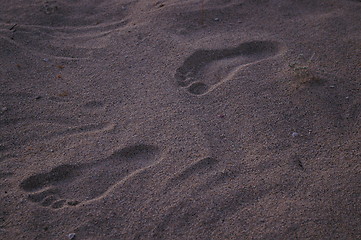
180	119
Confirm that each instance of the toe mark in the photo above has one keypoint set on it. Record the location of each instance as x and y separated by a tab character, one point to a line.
198	88
58	204
38	197
48	201
73	203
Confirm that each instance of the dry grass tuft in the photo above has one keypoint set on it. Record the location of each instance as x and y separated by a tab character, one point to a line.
304	73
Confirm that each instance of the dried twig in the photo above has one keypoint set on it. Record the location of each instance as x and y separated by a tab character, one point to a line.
13	27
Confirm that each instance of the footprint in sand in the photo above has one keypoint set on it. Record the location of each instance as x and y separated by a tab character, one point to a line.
66	30
69	185
206	69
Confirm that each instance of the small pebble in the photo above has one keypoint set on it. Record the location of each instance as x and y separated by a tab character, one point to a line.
216	19
71	236
4	109
332	86
45	59
294	134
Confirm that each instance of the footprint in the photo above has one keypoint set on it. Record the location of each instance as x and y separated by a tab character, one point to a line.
93	104
66	30
69	185
198	168
206	69
49	7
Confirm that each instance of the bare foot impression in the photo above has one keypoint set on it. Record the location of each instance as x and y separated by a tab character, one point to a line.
69	185
206	69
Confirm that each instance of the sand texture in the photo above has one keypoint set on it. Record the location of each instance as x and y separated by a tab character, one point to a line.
180	119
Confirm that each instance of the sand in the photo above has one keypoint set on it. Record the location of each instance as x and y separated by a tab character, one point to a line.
180	119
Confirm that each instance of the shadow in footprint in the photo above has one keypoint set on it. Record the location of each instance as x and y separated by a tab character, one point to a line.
93	104
69	185
205	69
200	167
